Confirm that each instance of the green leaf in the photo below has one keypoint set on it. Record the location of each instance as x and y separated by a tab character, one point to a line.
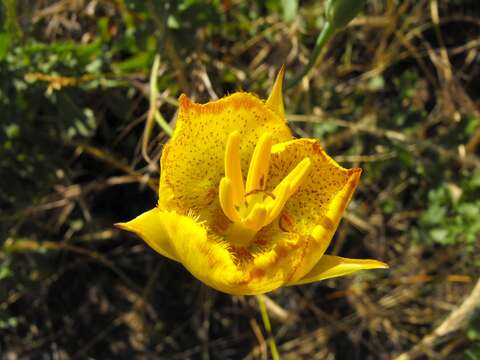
135	63
341	12
5	42
439	235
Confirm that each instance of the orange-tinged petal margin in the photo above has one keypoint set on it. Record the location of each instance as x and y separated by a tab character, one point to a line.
333	266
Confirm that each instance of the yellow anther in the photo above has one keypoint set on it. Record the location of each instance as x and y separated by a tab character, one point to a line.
256	219
226	199
233	169
296	176
258	170
274	207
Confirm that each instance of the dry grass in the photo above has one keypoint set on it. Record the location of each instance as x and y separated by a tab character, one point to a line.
93	292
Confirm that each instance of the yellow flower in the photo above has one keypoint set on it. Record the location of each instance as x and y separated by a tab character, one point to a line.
253	234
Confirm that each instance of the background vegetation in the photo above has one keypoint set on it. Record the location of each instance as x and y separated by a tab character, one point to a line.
396	93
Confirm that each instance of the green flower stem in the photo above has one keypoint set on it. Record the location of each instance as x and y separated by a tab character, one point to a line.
153	98
153	113
160	120
268	327
322	39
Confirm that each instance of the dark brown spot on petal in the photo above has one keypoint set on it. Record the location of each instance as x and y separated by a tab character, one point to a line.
327	223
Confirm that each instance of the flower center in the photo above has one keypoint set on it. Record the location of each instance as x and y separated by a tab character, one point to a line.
250	207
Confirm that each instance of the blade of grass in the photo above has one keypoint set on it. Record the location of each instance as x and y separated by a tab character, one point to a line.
322	39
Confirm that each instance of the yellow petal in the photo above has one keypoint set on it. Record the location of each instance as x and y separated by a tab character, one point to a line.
215	263
152	230
193	161
272	266
205	256
334	266
275	100
315	209
184	239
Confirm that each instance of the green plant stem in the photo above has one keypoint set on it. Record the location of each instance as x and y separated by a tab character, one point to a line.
153	98
11	20
322	39
153	113
268	327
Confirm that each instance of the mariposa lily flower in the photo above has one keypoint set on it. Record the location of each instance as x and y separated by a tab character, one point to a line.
243	205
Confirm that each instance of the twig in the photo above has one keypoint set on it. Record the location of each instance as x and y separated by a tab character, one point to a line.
457	319
109	159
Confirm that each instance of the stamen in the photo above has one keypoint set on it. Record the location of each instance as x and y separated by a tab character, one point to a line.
262	206
226	199
258	170
296	176
275	207
233	169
